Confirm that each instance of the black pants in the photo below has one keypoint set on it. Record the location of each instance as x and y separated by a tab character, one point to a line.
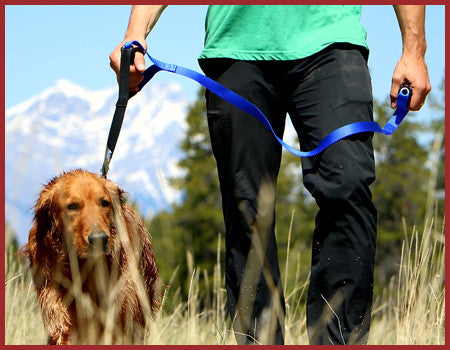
320	93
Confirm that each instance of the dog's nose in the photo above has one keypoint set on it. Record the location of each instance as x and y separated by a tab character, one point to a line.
98	240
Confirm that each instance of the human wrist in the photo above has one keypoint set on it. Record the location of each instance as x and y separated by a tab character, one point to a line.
414	45
142	20
139	38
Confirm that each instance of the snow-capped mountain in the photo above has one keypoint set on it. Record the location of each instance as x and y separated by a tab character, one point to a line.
66	127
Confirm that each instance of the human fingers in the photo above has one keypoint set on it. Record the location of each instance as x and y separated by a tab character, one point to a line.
414	73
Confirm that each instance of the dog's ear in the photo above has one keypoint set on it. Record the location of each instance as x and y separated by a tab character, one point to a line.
47	229
44	241
30	248
153	284
115	191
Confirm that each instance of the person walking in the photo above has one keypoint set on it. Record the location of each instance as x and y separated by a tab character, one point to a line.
310	62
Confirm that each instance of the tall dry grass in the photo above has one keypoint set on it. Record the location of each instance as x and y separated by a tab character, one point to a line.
23	322
410	310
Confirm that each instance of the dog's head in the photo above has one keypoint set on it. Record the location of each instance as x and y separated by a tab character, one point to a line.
75	211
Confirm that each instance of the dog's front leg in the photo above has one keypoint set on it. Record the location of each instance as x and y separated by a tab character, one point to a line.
55	316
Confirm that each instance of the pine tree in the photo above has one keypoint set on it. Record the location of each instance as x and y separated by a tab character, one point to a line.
196	223
200	212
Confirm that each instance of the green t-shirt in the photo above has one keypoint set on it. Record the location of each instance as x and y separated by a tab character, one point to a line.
279	32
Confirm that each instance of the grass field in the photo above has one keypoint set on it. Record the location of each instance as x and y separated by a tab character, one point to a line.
410	310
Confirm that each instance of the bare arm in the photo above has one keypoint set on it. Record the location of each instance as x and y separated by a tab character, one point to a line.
142	20
411	69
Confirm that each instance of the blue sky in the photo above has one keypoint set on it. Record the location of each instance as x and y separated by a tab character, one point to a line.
48	43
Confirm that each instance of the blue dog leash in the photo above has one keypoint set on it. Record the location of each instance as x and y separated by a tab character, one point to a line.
236	100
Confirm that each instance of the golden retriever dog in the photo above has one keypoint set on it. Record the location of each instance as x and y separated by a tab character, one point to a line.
92	263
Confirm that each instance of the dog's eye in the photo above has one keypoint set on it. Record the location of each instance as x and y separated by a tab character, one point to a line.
105	203
73	207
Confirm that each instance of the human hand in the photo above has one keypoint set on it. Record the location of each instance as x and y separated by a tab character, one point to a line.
136	68
412	71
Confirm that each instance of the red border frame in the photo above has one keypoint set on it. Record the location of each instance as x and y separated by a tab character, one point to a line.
2	175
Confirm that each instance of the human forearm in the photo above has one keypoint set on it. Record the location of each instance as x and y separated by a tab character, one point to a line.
142	20
411	20
411	69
